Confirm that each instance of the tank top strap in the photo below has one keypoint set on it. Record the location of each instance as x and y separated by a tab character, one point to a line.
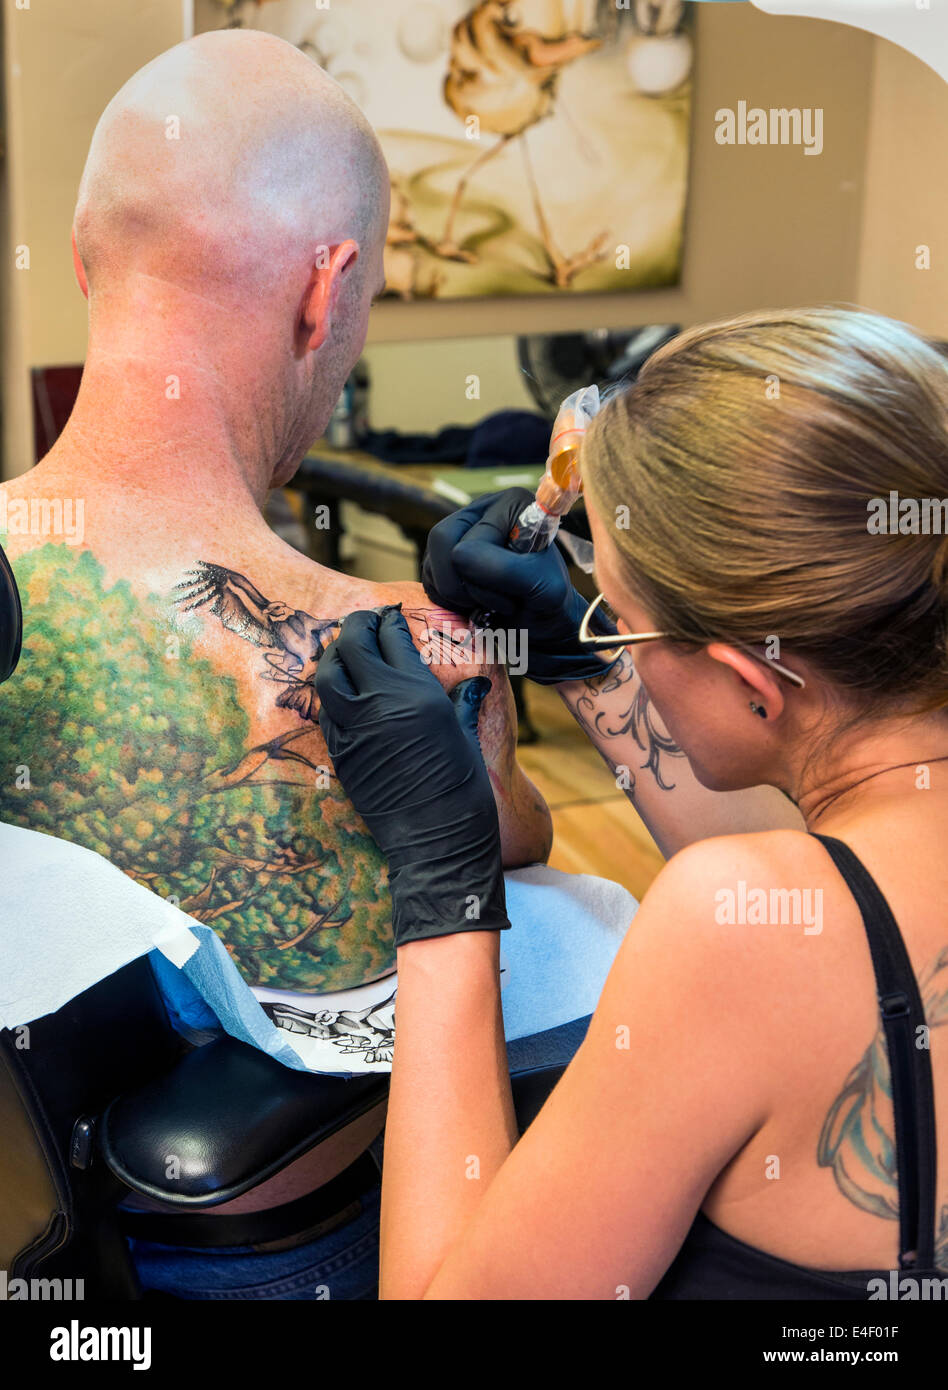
910	1067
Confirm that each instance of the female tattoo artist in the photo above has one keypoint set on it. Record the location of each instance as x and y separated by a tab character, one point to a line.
753	1111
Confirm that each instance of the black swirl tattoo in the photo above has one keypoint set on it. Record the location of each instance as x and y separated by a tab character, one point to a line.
635	719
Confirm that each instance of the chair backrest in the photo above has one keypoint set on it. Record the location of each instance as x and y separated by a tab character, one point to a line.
57	1075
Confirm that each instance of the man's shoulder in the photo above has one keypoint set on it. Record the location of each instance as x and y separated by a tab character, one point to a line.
412	598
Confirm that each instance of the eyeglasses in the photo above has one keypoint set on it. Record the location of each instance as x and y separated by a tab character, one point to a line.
610	642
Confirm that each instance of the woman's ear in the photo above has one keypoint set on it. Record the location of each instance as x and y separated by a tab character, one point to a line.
762	687
322	292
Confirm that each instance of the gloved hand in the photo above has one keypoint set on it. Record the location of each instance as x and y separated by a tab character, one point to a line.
408	757
468	566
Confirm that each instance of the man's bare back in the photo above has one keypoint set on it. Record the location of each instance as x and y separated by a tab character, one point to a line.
164	714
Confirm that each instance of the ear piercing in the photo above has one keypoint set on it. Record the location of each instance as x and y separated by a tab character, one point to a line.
758	709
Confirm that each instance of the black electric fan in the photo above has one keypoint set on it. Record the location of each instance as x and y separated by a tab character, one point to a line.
556	364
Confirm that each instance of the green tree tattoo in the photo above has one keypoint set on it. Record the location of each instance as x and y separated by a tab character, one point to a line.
116	735
857	1140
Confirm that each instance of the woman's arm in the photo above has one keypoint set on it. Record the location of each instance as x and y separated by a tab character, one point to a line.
613	710
451	1102
468	565
599	1193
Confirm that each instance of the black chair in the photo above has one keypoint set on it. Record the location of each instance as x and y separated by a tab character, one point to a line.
97	1097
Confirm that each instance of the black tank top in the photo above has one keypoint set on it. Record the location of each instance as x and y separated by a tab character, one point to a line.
713	1264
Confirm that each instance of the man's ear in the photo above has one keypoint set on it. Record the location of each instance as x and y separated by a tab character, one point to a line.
77	266
763	687
322	292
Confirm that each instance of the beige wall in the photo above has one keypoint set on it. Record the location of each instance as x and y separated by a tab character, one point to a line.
63	61
424	385
765	225
906	199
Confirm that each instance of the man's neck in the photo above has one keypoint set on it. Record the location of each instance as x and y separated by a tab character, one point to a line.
174	401
114	448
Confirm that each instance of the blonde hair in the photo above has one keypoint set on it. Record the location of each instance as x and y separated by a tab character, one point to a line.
747	453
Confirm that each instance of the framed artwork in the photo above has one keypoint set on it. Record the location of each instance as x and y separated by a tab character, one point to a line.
534	146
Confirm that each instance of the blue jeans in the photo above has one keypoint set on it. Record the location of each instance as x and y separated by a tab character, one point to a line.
344	1263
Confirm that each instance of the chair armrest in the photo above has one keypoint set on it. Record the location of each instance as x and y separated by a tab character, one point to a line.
231	1116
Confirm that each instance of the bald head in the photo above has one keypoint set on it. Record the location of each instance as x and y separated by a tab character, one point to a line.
224	165
229	233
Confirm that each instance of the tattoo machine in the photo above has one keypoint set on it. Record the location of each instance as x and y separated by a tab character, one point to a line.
561	484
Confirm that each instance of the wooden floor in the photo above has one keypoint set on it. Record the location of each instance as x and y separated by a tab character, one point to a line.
596	830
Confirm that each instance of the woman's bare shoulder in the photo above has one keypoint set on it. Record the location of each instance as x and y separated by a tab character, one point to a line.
751	907
763	852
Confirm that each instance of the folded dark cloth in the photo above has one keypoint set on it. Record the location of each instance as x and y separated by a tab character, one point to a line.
447	446
506	437
520	437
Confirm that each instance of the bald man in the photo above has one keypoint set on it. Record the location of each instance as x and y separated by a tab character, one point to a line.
228	236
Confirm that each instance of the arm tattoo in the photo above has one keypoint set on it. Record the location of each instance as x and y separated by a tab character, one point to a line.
858	1141
602	718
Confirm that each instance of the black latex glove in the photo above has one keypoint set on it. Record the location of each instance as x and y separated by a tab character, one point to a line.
408	757
468	567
